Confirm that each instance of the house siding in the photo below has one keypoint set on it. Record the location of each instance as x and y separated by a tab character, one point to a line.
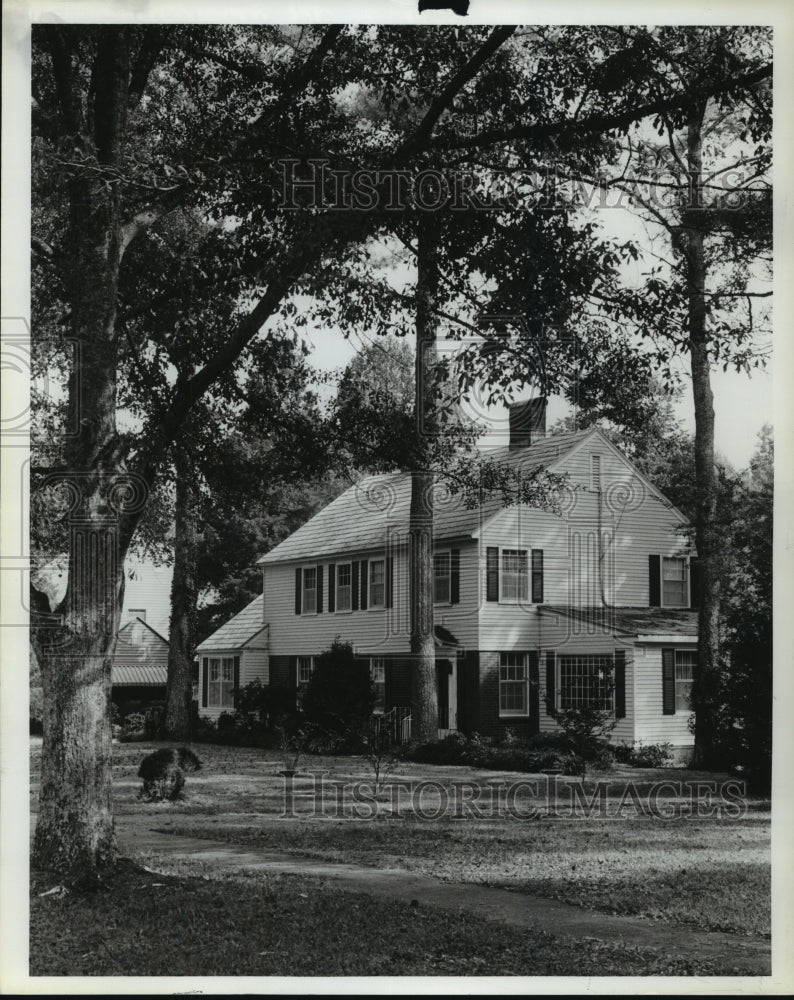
373	632
254	665
652	725
637	522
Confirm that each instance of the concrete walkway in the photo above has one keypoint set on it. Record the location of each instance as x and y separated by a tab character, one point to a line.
752	955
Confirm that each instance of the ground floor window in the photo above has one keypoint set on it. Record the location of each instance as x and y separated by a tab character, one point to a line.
685	660
220	687
377	671
305	669
513	684
586	682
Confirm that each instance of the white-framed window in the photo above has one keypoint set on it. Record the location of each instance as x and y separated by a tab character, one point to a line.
377	583
305	669
442	577
674	583
377	671
309	600
220	682
685	661
586	682
514	576
513	684
344	586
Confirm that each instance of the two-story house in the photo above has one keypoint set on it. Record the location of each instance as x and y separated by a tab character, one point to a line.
529	605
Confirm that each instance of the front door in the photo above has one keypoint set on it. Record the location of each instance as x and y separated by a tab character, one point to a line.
447	675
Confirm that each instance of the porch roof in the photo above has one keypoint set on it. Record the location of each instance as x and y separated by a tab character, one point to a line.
640	622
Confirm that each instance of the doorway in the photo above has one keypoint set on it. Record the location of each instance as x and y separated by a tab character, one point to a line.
447	682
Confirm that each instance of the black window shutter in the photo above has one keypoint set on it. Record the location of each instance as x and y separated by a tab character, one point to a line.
654	581
354	583
293	679
298	586
551	682
694	582
205	680
668	682
332	587
620	683
389	582
454	576
534	705
492	574
236	679
537	576
319	590
364	582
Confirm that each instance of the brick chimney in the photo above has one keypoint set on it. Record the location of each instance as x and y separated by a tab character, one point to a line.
527	422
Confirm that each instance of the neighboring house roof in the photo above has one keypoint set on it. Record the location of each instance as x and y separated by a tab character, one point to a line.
141	656
238	631
139	676
640	622
131	633
360	518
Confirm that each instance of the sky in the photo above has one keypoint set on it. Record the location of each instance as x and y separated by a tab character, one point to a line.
742	404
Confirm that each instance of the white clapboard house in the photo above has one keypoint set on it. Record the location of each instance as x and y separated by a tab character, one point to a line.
529	605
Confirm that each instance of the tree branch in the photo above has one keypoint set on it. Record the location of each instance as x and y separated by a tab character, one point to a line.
601	122
154	39
439	105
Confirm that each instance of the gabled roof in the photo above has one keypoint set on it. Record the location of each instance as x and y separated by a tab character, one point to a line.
360	518
631	621
238	631
127	630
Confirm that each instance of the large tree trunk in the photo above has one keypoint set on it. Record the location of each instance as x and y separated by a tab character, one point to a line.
707	675
424	693
74	832
183	598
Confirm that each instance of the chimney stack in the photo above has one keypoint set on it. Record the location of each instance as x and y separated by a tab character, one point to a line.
527	422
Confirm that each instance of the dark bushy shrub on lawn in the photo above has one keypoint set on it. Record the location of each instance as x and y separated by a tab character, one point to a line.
646	755
251	724
340	697
163	773
535	755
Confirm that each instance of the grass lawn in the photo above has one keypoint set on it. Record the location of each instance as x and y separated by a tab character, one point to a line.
709	872
154	925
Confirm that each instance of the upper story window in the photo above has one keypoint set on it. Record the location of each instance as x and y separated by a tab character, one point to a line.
674	583
309	603
514	578
442	578
344	587
377	583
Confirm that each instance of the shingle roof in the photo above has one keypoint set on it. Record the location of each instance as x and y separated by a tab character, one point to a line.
238	631
126	676
360	518
632	621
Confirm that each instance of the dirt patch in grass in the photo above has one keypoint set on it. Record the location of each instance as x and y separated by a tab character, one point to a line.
148	924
